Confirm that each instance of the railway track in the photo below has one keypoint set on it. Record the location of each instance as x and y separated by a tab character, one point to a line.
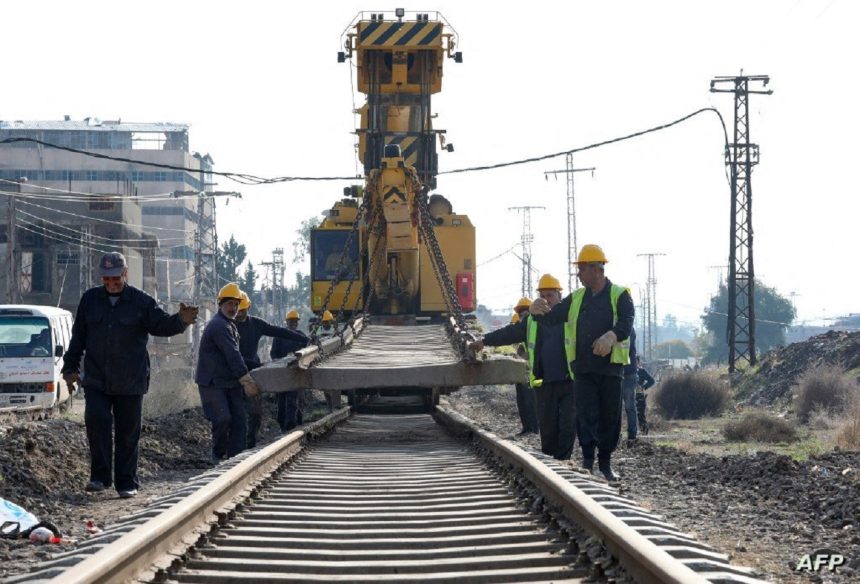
394	498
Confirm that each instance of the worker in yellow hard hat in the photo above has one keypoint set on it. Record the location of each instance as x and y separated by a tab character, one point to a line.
289	411
549	376
222	375
326	330
526	402
515	318
599	319
251	330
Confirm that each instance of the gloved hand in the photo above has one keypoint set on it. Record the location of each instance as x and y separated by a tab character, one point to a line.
188	313
476	346
603	346
72	380
539	307
249	385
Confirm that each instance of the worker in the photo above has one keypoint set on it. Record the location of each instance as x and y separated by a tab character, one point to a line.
526	402
599	318
222	377
628	392
326	330
111	331
251	330
549	373
289	412
644	381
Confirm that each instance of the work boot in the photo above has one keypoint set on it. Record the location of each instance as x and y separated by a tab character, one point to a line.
606	469
588	464
95	487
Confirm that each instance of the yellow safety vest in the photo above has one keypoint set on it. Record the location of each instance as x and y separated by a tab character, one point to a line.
620	351
531	343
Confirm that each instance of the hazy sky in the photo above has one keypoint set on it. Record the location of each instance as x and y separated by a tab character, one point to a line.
261	88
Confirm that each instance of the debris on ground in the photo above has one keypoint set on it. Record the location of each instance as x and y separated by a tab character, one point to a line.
771	381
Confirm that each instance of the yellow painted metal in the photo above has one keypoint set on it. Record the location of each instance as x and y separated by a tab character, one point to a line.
456	236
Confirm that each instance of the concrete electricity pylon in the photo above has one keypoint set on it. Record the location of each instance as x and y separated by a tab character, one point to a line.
741	156
649	336
526	240
572	249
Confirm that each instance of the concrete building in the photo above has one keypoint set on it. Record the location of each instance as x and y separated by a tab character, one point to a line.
151	214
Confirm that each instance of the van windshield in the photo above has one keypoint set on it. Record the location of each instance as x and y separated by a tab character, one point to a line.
24	337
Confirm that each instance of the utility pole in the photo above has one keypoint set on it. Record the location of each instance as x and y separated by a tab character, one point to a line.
85	259
526	240
572	249
206	281
741	155
11	256
650	302
278	267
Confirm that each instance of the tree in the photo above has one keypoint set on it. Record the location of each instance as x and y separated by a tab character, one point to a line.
773	313
302	244
676	349
249	282
230	257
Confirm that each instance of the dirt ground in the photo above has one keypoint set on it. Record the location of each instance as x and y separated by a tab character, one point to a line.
765	506
44	467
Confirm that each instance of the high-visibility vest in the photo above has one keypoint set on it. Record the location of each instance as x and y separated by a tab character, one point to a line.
531	343
620	354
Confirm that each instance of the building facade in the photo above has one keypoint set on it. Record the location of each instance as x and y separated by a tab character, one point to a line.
74	206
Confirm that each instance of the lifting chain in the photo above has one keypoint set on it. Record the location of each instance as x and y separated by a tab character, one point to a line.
335	280
437	260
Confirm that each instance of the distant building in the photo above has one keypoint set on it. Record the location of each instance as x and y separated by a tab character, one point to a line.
54	227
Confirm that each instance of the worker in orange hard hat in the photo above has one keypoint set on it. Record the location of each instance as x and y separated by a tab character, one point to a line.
599	319
550	378
289	411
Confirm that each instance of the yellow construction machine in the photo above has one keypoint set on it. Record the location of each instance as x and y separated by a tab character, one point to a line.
390	248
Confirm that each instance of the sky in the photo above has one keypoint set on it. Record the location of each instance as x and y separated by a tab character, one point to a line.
260	85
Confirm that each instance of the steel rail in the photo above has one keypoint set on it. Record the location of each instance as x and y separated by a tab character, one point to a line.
645	561
138	550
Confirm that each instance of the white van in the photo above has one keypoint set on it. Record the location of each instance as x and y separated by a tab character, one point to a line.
33	340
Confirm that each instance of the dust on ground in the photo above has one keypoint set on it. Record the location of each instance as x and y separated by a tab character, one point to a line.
763	509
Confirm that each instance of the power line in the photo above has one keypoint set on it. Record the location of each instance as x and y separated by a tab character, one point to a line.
251	179
136	239
595	145
526	240
246	179
105	240
99	219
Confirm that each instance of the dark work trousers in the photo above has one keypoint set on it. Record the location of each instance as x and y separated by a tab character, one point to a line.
527	407
641	405
289	414
556	406
598	400
254	409
109	419
628	392
225	409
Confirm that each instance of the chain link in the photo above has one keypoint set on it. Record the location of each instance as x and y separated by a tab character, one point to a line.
437	260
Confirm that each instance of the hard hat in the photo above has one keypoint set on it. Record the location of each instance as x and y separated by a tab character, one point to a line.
245	302
229	291
515	318
523	303
591	253
293	314
548	282
327	316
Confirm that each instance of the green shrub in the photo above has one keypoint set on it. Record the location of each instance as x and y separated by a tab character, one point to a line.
760	427
826	388
691	395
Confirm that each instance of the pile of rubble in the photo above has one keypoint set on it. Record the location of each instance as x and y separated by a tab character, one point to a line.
771	382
